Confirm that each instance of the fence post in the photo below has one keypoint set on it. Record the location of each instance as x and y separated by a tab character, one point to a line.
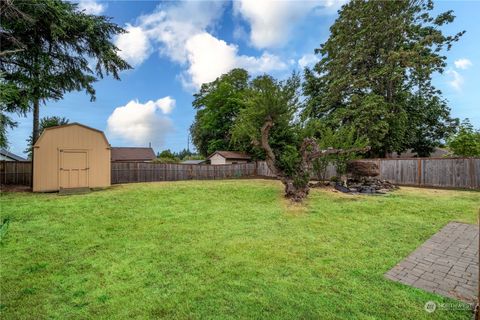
472	176
379	163
419	171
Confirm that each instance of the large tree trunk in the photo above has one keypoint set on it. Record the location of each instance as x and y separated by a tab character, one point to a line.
294	191
35	133
36	121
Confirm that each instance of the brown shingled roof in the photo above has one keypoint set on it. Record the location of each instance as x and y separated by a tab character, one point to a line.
132	154
231	155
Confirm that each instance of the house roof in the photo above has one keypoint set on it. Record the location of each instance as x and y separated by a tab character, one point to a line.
10	155
69	125
132	154
193	161
231	155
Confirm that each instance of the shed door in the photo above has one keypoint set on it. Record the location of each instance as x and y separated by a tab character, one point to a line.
73	169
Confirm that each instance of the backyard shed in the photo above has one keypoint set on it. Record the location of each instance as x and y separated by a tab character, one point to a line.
71	156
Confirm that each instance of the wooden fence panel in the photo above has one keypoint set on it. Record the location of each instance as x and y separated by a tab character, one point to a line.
461	173
124	172
399	171
16	172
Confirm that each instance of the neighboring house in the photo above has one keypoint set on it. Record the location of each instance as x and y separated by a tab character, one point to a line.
437	153
194	162
8	156
228	157
131	154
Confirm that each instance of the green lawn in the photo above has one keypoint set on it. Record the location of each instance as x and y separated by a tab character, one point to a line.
218	249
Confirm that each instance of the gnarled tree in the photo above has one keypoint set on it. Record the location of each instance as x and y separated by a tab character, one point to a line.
270	120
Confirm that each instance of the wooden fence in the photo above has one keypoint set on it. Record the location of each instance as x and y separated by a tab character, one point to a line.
431	172
125	172
426	172
461	173
16	172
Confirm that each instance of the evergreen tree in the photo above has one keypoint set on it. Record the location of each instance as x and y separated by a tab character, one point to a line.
375	74
52	51
45	122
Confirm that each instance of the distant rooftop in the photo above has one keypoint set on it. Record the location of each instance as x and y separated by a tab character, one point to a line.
132	154
10	155
231	155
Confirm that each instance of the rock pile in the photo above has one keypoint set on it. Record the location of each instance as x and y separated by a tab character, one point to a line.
366	185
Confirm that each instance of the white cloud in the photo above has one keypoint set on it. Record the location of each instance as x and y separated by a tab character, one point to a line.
140	123
182	33
172	26
91	7
134	45
271	21
463	63
210	57
456	79
267	62
307	60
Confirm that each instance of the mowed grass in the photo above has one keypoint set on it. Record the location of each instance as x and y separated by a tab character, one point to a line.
218	249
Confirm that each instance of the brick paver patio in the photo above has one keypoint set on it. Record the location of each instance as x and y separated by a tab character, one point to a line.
446	264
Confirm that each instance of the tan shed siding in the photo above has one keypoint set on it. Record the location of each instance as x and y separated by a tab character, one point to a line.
217	159
74	137
235	161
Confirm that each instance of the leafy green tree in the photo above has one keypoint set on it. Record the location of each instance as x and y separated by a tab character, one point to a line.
342	138
183	154
269	121
194	157
58	43
375	75
466	142
166	156
218	104
45	122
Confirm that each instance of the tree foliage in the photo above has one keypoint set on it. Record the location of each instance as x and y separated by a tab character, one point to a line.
466	142
375	75
166	156
326	137
269	121
12	100
62	50
45	122
218	103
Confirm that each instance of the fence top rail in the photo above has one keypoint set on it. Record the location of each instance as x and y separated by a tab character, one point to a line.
185	164
424	158
23	161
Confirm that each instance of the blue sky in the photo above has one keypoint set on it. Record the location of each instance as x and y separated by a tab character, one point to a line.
175	46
